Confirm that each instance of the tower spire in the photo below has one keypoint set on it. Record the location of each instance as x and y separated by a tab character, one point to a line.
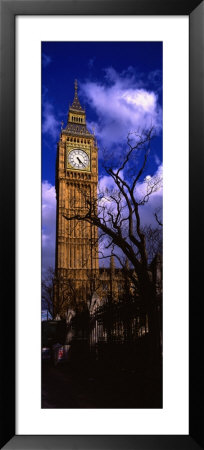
76	120
76	88
76	103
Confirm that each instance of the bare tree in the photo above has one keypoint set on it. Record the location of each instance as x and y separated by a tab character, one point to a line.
47	291
66	304
117	212
58	306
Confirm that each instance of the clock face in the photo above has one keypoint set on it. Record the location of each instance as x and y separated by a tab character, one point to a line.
78	159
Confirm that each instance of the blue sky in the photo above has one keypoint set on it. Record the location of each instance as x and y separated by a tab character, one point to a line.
120	85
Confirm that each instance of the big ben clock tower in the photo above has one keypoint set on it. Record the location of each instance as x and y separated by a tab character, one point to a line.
76	184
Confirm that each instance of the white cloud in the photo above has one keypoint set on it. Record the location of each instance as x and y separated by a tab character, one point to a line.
155	201
46	60
121	105
106	183
154	182
48	224
50	124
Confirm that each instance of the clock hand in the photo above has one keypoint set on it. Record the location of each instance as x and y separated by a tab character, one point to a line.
80	161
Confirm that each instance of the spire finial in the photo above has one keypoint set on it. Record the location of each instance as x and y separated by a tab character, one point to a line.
75	86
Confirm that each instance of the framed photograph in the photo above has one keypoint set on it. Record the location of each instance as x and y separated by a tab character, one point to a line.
96	101
90	291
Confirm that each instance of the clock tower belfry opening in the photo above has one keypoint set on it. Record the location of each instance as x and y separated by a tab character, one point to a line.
76	257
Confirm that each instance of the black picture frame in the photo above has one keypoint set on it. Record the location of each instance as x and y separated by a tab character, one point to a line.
9	9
